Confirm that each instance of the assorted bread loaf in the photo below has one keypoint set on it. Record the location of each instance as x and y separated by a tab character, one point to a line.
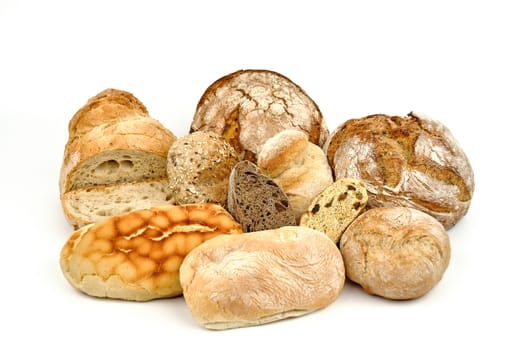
258	213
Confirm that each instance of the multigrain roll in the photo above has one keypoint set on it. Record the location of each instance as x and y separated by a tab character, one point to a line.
261	277
396	253
249	106
137	255
411	161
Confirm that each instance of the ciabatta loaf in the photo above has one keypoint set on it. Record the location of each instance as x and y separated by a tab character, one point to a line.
259	277
127	147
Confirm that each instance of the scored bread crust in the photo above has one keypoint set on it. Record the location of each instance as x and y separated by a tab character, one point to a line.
411	161
397	253
260	277
247	107
108	106
137	255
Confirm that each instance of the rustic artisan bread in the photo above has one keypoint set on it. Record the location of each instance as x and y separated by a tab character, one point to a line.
137	255
249	106
199	165
411	161
261	277
113	141
298	166
98	203
332	210
396	253
256	201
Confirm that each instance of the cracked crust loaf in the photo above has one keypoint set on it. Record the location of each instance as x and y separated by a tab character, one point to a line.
256	201
397	253
137	255
247	107
298	166
199	165
113	142
261	277
412	161
336	207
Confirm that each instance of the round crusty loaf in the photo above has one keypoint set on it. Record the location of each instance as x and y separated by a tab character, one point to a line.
137	255
249	106
411	161
199	165
261	277
397	253
298	166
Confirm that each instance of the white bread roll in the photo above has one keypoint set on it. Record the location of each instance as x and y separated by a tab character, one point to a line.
299	167
259	277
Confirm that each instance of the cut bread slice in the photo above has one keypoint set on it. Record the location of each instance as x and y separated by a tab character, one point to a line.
256	201
332	210
94	204
129	151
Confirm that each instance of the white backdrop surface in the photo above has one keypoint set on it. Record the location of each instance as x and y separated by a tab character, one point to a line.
461	62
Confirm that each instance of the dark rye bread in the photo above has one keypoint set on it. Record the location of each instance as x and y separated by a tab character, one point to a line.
332	210
256	201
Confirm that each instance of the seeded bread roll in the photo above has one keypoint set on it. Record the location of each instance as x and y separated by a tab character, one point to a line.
137	255
261	277
256	201
397	253
298	166
249	106
199	165
411	161
336	207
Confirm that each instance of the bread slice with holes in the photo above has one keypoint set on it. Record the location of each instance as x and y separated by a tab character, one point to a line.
256	201
332	210
98	203
107	160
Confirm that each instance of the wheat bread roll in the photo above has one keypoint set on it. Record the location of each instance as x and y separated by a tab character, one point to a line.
247	107
256	201
113	143
261	277
137	255
199	166
332	210
397	253
298	166
412	161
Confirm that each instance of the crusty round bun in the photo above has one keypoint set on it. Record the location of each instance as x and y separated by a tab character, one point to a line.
249	106
397	253
137	255
411	161
261	277
298	166
198	168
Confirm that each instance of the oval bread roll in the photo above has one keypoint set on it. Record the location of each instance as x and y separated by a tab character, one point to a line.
137	255
261	277
396	253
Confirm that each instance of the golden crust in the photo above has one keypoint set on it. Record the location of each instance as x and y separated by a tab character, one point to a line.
137	255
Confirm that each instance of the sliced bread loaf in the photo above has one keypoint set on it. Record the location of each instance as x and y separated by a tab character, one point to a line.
256	201
336	207
97	203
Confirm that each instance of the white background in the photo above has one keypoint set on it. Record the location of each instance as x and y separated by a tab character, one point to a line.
462	62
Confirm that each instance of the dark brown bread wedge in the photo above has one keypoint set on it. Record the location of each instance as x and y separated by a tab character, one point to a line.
256	201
